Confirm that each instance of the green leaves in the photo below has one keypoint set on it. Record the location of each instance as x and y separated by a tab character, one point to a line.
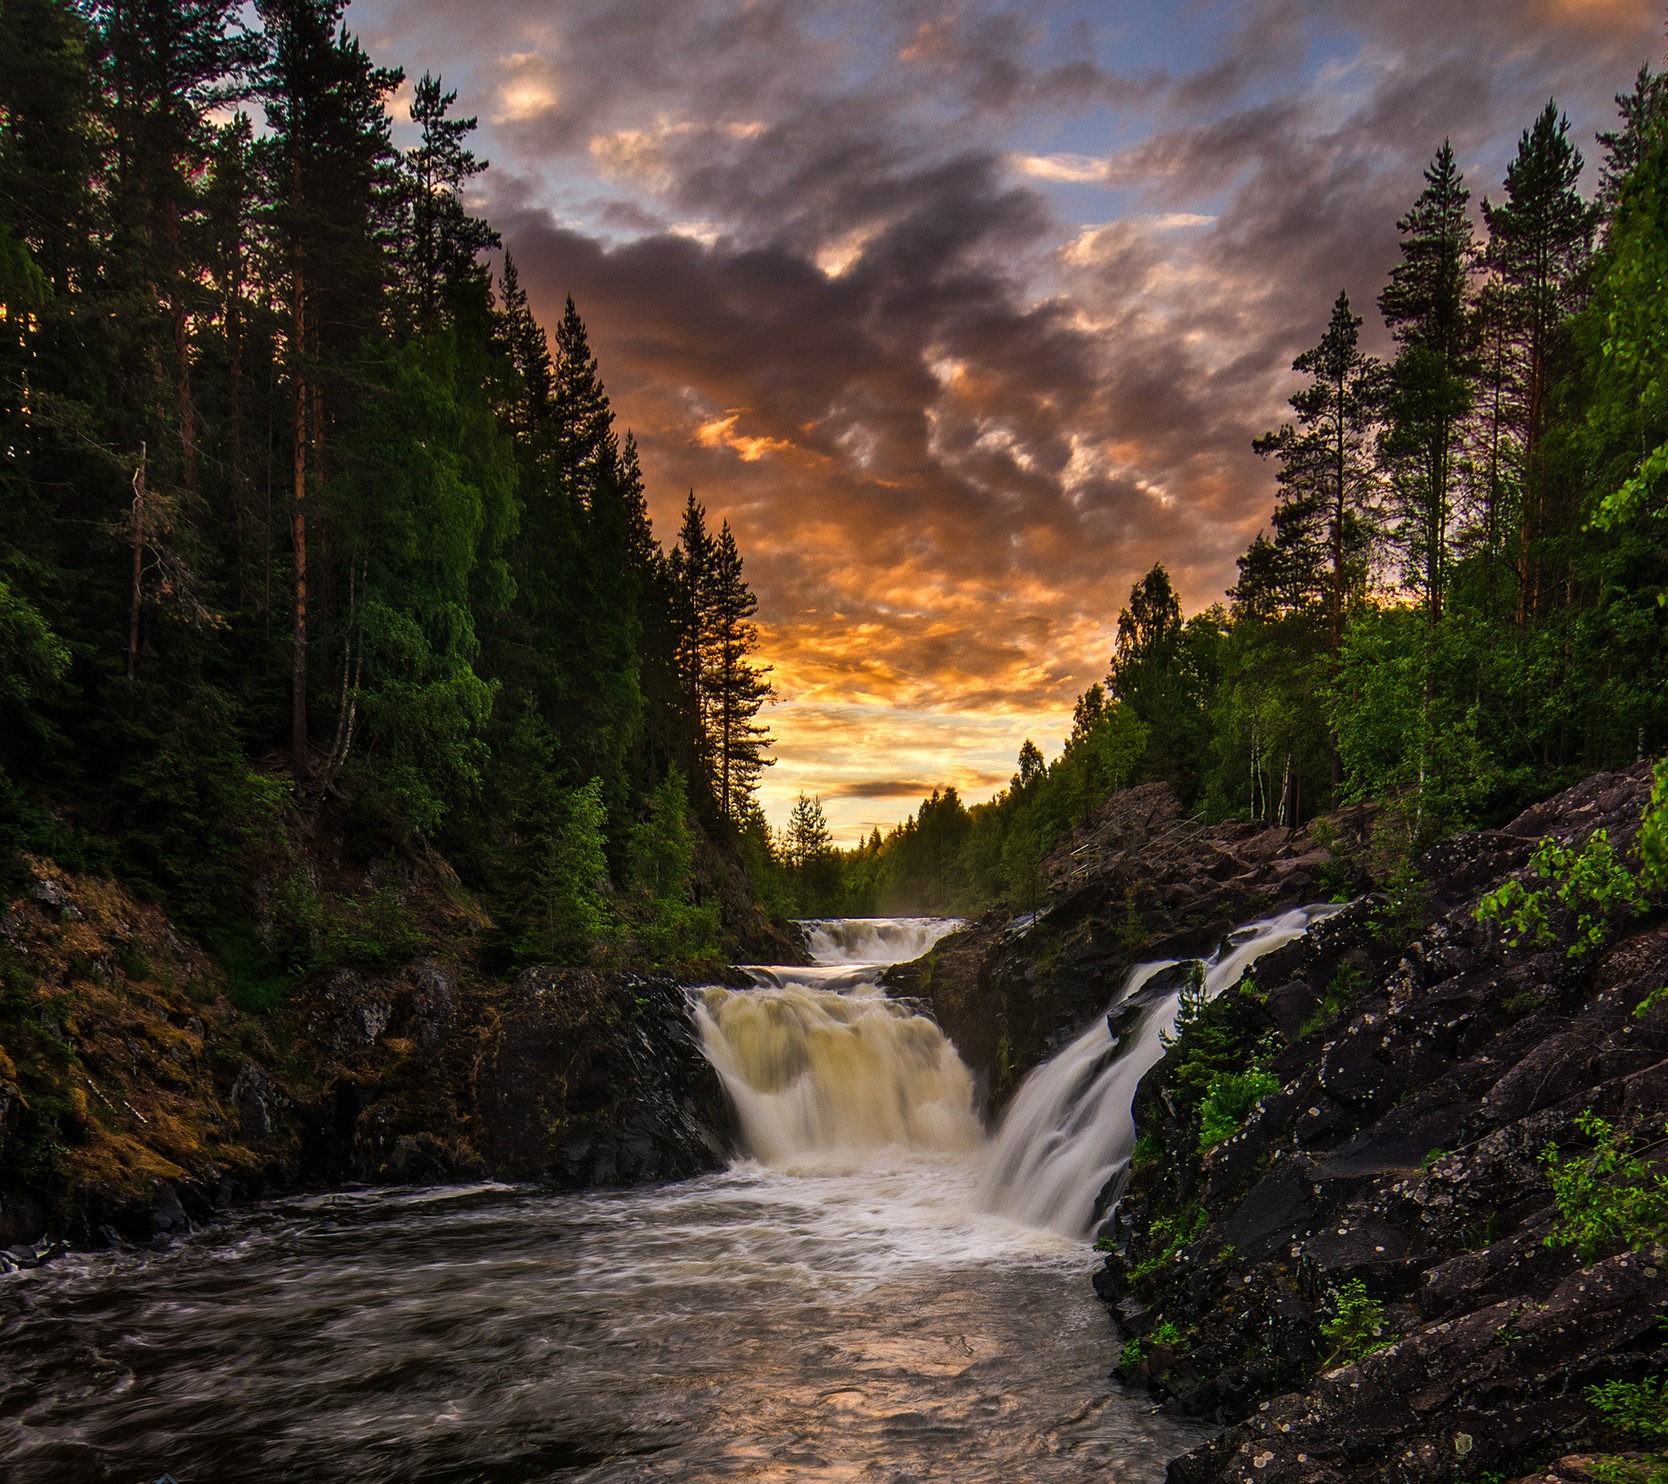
1609	1196
1590	882
1356	1326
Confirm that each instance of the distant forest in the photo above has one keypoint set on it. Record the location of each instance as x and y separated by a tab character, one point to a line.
307	527
1458	604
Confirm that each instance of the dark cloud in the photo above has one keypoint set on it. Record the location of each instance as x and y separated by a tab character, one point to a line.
953	413
883	788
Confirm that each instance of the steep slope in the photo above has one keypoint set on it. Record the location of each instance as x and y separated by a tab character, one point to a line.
1414	1066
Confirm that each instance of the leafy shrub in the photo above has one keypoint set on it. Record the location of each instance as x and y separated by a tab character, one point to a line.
1590	882
1342	991
1356	1327
1638	1409
1229	1101
1174	1232
1607	1195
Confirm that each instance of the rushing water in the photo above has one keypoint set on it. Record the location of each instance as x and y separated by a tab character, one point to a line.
869	1295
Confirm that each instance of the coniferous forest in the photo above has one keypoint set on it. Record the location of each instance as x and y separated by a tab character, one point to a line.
1457	604
306	519
307	526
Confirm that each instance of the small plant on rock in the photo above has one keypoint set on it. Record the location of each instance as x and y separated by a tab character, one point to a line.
1229	1101
1607	1195
1591	882
1638	1410
1357	1325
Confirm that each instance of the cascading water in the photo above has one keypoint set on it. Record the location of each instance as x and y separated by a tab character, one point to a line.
822	1067
1069	1129
837	1306
819	1063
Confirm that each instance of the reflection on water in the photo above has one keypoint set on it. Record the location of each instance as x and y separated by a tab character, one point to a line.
761	1324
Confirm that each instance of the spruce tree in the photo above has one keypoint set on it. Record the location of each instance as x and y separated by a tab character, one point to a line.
1540	243
1428	307
740	687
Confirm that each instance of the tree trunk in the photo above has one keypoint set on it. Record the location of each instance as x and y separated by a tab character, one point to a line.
300	759
138	565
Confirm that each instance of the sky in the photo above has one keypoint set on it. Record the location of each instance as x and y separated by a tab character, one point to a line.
964	313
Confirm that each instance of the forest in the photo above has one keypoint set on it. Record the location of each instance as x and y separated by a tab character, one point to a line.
307	527
1457	604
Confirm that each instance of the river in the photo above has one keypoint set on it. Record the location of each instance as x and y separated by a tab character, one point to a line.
851	1300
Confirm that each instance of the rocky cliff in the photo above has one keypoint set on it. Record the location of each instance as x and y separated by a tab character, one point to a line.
1358	1280
1141	882
136	1097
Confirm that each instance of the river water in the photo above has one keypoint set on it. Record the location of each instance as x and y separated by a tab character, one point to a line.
841	1304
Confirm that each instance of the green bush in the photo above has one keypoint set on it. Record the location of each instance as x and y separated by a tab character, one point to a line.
1356	1327
1229	1101
1590	882
1606	1196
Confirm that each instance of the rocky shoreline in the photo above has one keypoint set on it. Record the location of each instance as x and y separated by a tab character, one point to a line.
137	1100
1413	1065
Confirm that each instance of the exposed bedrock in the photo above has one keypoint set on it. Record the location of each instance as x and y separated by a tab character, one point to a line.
1423	1065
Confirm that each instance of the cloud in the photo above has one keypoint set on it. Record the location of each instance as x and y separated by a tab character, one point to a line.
965	313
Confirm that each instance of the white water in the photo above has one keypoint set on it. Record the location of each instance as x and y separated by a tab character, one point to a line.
1069	1128
820	1065
829	1075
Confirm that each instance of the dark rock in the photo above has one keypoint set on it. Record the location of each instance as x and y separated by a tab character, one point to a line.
255	1098
592	1079
168	1218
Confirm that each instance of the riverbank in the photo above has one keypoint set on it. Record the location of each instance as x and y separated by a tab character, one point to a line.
137	1099
1366	1273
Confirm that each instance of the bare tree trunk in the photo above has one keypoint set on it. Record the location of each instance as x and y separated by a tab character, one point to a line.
300	760
138	565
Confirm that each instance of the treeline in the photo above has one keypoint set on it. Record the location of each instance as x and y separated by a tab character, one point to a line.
1457	607
302	513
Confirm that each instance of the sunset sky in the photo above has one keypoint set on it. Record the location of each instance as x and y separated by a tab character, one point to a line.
964	314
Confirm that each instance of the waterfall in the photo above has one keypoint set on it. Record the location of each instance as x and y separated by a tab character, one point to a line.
818	1062
1069	1129
873	940
822	1066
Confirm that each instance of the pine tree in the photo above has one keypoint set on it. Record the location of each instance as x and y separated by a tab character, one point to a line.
1643	113
586	447
443	242
1428	307
691	579
327	159
170	64
1325	511
739	687
1540	243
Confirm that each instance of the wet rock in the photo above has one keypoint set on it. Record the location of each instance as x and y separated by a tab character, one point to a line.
434	1003
255	1099
593	1079
350	1012
168	1218
1405	1151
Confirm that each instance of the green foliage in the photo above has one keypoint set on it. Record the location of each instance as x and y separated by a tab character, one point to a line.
567	914
662	914
1168	1234
1591	883
1608	1196
1650	1002
1149	1149
1229	1100
1342	990
1637	1408
1355	1326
